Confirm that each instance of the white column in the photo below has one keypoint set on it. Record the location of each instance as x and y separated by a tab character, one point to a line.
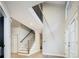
7	37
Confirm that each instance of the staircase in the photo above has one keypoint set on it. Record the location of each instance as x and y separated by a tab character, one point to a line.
26	43
31	35
30	42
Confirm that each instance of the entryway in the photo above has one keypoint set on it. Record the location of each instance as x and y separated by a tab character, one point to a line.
1	34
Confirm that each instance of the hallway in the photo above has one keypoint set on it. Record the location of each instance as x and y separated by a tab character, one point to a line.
39	29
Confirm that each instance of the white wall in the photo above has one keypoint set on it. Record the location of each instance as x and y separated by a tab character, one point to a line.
54	43
36	46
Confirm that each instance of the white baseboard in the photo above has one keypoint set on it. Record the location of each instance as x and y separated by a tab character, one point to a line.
51	54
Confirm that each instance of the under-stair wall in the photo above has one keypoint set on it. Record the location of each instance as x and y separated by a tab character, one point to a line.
36	46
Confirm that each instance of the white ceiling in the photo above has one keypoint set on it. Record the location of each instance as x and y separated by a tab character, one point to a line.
58	3
23	3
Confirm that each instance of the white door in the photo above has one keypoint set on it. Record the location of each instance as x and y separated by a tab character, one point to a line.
72	44
67	42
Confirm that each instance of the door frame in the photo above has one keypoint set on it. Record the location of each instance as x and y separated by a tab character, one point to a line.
2	35
7	30
74	18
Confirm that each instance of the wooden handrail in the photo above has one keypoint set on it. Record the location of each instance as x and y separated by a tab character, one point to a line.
25	36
